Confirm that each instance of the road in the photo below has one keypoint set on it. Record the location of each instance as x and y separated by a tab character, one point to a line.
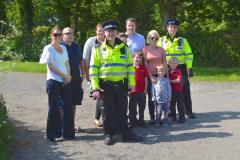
213	135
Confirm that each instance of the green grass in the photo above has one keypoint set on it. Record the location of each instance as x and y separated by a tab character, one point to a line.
216	74
200	73
6	132
32	67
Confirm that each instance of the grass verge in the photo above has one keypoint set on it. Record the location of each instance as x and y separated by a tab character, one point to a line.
6	132
200	73
32	67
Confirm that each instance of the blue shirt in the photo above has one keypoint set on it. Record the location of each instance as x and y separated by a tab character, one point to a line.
75	56
136	43
161	90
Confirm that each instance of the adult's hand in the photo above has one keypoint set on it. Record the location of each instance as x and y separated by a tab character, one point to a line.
96	94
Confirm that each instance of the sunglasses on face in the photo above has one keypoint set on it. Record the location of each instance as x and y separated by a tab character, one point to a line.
69	33
57	34
154	38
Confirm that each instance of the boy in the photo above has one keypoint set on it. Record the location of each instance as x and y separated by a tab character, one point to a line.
175	76
161	95
138	93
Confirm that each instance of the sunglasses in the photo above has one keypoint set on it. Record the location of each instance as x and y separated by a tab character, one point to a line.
57	34
154	38
69	33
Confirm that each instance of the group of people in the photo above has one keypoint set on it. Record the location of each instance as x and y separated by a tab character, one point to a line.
118	66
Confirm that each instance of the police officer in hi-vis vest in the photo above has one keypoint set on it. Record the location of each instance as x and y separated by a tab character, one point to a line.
111	74
176	46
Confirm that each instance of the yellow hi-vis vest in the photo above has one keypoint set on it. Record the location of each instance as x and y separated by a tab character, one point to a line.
111	64
178	48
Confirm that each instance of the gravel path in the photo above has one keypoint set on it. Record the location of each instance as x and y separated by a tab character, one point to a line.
213	135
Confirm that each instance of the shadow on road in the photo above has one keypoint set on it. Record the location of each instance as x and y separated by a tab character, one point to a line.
186	131
30	142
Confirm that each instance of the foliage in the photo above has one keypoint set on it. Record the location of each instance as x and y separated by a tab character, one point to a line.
203	22
6	131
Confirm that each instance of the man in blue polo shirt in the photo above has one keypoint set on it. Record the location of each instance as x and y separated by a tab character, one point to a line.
76	68
135	41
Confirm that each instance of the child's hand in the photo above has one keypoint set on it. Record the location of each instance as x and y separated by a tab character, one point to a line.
129	93
169	99
145	92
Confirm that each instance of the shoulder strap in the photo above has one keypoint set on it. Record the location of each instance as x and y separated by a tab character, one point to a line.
181	42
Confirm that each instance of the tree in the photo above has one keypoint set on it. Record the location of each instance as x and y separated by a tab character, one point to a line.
26	12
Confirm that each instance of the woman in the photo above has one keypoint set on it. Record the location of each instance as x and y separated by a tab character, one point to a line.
153	56
55	57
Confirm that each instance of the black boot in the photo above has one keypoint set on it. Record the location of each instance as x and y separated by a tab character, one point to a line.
108	140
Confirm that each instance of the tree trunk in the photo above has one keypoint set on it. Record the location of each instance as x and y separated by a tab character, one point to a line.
26	12
3	10
168	10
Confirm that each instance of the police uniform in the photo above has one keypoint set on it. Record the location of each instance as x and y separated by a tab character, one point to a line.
111	70
178	47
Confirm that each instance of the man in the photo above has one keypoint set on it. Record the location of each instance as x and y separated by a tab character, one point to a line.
111	74
135	41
87	52
76	69
176	46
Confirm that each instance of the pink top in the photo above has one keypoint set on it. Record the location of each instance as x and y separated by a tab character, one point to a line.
153	57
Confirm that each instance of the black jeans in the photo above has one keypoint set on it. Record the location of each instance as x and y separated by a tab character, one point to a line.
55	126
177	99
186	89
151	106
134	100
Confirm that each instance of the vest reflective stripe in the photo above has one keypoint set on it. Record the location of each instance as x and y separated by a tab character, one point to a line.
178	48
93	66
172	54
111	64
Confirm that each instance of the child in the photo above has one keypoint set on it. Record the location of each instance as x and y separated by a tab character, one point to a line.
161	95
175	76
138	93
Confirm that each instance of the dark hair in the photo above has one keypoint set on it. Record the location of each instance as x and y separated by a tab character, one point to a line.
55	28
99	25
131	19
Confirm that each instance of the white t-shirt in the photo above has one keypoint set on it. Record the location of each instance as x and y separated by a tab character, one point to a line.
58	60
87	49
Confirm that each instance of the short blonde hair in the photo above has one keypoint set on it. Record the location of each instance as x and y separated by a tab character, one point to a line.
150	33
173	59
161	66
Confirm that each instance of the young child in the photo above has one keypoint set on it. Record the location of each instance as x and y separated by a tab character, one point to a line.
138	93
175	76
161	96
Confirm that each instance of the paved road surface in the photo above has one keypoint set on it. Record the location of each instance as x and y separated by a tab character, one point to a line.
213	135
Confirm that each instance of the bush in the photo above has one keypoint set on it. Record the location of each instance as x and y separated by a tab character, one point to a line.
5	131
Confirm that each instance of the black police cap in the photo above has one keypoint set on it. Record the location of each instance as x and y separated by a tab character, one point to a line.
112	25
173	22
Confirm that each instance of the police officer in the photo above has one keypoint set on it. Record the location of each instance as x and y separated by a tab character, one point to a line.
176	46
111	74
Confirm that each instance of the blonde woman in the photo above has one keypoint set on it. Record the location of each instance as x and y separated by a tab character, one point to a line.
153	56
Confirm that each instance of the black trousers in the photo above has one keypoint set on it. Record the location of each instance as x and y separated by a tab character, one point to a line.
177	99
151	106
56	127
134	100
186	89
114	102
99	107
